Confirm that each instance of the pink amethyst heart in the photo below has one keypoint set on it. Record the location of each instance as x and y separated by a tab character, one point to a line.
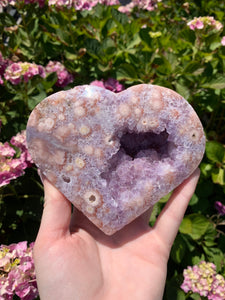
115	155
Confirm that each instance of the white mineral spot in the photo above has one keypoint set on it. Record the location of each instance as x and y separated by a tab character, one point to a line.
98	152
148	123
134	100
155	101
79	111
138	111
84	130
88	149
124	110
80	163
69	168
61	117
46	124
92	198
90	209
109	140
194	135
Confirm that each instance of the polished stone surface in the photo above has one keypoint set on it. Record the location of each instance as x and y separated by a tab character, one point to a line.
115	155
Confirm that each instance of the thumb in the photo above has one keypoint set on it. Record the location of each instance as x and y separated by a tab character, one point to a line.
56	214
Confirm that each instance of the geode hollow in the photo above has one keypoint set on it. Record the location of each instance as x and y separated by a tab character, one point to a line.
115	155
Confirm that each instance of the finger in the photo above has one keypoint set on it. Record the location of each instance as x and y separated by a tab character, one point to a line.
56	214
169	220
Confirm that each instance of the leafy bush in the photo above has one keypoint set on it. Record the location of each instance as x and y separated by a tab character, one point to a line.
46	47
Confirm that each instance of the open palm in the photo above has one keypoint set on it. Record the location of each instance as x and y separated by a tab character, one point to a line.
74	260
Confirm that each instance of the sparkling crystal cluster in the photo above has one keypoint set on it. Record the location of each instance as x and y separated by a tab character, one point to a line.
115	155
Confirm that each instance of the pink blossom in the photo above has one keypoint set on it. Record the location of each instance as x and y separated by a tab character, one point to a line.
113	85
223	41
64	77
12	167
204	280
18	274
99	83
220	208
6	150
4	3
199	24
3	64
109	84
23	70
208	23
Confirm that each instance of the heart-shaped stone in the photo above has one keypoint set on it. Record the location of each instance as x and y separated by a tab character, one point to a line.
115	155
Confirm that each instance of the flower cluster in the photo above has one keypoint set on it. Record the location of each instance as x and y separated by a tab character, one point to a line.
149	5
16	71
81	4
88	4
220	208
5	3
204	280
12	166
3	65
17	274
206	23
109	84
64	77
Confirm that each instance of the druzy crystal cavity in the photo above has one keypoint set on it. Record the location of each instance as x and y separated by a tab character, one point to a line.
115	155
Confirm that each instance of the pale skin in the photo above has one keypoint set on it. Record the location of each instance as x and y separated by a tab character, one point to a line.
76	261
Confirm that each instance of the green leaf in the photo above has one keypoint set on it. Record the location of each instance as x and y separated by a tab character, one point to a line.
215	255
218	176
194	68
126	71
178	249
215	151
206	169
217	83
34	100
93	47
144	35
70	55
194	225
194	200
173	291
50	80
183	90
119	17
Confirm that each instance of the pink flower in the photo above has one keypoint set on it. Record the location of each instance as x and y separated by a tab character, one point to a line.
18	274
99	83
113	85
23	70
6	150
109	84
204	280
199	24
207	22
12	167
223	41
220	208
64	77
3	64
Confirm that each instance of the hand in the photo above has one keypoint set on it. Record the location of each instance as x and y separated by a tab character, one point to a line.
76	261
